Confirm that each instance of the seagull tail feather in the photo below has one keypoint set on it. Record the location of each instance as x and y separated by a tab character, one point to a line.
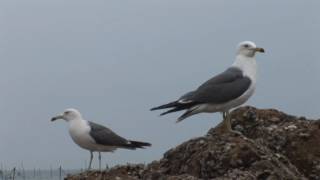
179	108
165	106
138	144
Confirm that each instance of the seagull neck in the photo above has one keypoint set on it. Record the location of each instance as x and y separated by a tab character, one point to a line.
247	64
76	121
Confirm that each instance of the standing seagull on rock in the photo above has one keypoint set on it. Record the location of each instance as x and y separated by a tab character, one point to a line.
95	137
223	92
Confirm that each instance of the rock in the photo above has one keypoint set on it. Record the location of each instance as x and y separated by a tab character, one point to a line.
291	127
295	138
271	145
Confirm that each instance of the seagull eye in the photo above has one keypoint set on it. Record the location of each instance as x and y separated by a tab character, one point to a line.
246	45
67	112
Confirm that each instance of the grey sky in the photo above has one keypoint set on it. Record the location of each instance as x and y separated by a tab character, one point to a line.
113	60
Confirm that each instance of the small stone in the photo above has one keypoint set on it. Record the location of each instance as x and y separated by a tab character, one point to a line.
274	119
304	135
277	155
201	142
238	128
272	127
291	127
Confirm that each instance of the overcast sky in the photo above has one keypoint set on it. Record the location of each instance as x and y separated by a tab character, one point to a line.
114	60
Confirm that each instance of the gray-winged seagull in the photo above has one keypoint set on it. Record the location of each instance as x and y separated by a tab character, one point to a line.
95	137
223	92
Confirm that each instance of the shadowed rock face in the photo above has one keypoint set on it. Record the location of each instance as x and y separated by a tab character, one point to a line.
273	146
296	138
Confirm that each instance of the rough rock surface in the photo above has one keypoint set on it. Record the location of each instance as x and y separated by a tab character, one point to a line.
273	145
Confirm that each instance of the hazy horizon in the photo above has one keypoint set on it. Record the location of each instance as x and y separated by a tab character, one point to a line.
114	60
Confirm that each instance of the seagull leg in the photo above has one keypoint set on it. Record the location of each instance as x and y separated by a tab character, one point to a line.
229	127
99	161
225	125
228	121
224	115
91	157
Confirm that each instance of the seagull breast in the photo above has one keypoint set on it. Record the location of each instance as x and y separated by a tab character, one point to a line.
79	132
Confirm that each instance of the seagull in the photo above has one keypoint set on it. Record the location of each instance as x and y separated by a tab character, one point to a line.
223	92
95	137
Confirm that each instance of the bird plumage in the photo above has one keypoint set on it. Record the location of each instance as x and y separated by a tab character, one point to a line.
224	91
220	89
95	137
105	136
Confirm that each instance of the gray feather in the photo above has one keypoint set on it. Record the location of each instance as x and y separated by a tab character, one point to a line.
220	89
105	136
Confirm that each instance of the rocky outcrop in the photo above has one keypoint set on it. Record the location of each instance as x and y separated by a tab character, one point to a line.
272	145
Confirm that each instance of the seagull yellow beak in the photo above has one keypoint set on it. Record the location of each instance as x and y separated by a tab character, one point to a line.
258	49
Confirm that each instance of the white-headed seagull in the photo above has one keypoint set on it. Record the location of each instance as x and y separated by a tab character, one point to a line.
95	137
223	92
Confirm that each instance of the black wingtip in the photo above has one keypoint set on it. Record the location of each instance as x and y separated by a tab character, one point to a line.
165	106
138	144
148	144
153	109
159	107
164	113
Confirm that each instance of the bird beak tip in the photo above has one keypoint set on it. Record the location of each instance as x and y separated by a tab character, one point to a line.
56	118
260	50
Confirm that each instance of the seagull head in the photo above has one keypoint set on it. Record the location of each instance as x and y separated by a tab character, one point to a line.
68	115
248	49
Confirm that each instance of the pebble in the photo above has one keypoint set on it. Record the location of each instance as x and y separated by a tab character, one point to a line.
305	135
272	127
274	119
291	127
